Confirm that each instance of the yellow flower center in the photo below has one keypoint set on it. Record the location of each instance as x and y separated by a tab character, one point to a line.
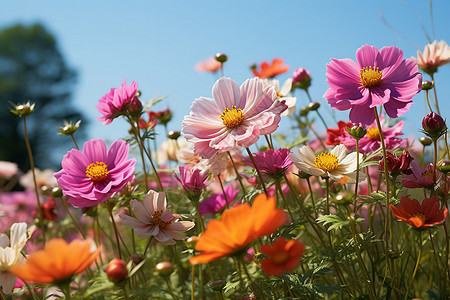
418	219
280	258
232	118
97	171
157	220
373	134
280	95
370	76
327	161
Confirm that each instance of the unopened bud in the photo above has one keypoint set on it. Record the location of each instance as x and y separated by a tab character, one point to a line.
220	57
426	141
69	128
164	116
314	106
136	258
164	268
57	192
356	132
427	85
433	125
301	78
135	108
23	110
191	241
173	134
304	111
138	93
343	198
116	270
443	166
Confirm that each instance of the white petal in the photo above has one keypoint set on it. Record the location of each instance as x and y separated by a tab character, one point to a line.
287	86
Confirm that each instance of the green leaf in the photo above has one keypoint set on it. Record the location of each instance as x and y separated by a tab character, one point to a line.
335	221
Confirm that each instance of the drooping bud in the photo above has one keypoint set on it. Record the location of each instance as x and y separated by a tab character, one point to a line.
433	125
357	132
164	268
164	116
443	166
136	258
426	141
427	85
135	108
398	164
116	270
301	78
173	135
23	110
69	128
220	57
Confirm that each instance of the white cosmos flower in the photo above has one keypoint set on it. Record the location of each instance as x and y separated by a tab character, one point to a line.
10	249
335	164
283	93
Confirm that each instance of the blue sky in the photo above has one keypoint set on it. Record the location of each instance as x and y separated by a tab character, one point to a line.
157	43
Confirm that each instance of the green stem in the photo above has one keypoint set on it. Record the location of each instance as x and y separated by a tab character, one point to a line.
30	157
318	113
357	176
416	267
193	282
223	191
258	172
428	101
435	94
72	218
169	286
141	149
116	231
278	186
238	176
73	139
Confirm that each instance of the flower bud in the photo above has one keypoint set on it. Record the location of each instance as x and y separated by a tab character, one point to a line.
164	116
314	106
173	134
220	57
301	79
253	67
304	111
69	128
443	166
343	198
356	132
23	110
136	258
426	141
191	241
217	285
164	268
398	164
138	93
57	192
116	270
427	85
135	108
433	125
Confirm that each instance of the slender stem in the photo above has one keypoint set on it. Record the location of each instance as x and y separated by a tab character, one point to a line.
416	267
357	176
435	146
318	113
72	218
278	186
193	282
73	139
428	101
116	231
312	197
30	157
223	191
148	245
269	144
435	94
169	286
257	171
141	150
221	69
238	176
200	220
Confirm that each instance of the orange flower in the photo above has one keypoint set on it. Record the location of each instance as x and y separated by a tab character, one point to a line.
284	256
238	227
420	215
272	70
58	261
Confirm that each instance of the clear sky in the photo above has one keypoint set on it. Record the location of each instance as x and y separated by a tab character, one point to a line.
157	43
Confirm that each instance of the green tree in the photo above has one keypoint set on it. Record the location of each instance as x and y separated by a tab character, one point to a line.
33	69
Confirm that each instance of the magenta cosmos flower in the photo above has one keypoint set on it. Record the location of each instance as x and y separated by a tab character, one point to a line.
191	180
114	103
152	219
379	77
235	116
216	202
420	177
95	174
273	162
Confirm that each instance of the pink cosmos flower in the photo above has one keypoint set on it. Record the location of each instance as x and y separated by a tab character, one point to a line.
115	103
371	141
221	165
152	219
273	162
420	177
17	207
208	65
434	55
379	77
95	174
216	202
191	180
235	116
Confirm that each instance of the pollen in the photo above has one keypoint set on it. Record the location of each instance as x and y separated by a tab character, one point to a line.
232	118
373	134
280	95
97	171
327	161
370	76
156	220
418	219
280	258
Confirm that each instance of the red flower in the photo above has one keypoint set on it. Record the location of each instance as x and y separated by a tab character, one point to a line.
272	70
335	133
284	256
152	121
396	164
420	215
